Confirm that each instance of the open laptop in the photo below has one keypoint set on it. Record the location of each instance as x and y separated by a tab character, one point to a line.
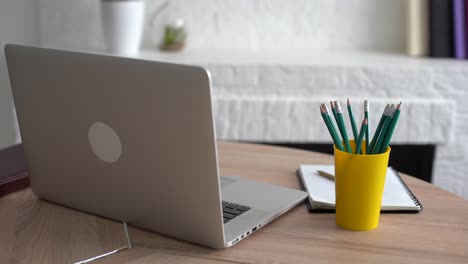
134	141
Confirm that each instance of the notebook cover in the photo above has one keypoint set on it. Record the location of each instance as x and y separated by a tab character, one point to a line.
459	28
410	193
14	173
441	32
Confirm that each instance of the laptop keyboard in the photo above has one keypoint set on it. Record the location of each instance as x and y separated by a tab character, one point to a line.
232	210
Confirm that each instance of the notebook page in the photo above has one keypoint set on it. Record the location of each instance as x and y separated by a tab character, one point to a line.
322	189
394	193
319	188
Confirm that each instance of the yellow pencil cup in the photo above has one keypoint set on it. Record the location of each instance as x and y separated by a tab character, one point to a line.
359	184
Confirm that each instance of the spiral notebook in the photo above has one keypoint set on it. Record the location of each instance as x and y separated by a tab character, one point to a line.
397	197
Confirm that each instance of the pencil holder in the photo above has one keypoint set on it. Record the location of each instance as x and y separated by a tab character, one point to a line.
359	184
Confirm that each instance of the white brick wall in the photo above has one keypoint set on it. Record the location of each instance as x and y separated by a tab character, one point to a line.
243	24
451	165
297	119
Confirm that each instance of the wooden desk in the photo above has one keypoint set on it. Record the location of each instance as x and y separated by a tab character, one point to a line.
34	231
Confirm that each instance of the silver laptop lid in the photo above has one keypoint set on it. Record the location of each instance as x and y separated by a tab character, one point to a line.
122	138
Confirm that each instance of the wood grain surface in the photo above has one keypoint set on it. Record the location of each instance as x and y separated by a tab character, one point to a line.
34	231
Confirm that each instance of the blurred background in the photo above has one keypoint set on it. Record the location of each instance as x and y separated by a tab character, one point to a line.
273	62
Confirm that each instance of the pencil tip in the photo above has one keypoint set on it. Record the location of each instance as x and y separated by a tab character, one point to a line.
387	110
392	109
348	101
338	106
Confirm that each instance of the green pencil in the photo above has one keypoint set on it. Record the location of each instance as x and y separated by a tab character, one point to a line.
331	128
334	111
352	121
366	116
388	120
333	108
342	127
378	129
388	135
361	136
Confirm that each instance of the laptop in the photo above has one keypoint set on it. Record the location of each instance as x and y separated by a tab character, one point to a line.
134	141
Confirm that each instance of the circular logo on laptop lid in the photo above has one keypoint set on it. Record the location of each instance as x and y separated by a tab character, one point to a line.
105	142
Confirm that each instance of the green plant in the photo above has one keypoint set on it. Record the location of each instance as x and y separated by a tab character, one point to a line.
174	37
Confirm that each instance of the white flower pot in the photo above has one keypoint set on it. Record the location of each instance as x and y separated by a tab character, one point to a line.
122	24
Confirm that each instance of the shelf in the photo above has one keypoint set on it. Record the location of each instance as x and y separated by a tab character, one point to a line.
296	58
